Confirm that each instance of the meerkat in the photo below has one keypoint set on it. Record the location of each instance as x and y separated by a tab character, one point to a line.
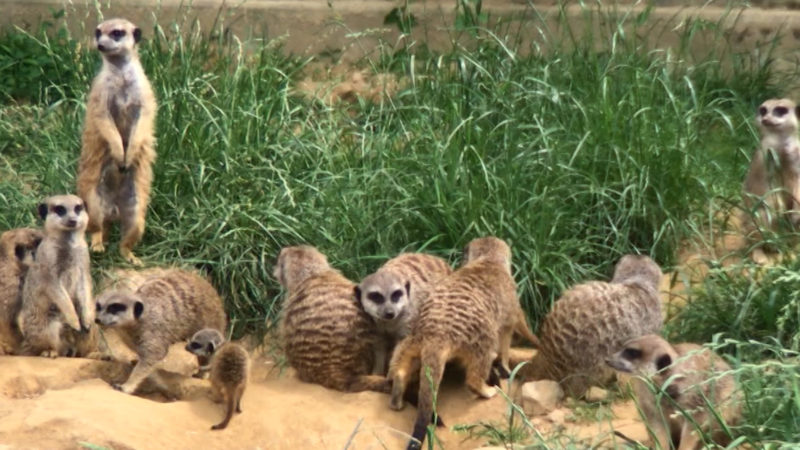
326	336
167	308
391	297
118	146
229	365
17	253
694	380
772	186
592	320
468	317
57	288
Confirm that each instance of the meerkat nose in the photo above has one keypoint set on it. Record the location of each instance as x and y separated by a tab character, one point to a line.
97	321
389	315
101	47
71	223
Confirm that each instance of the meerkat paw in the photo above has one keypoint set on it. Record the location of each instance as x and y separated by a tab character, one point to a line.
97	245
488	392
49	354
123	388
131	258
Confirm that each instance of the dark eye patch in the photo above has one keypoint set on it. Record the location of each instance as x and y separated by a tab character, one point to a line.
631	353
60	210
762	111
98	307
78	209
97	33
781	111
195	346
396	296
118	34
376	297
116	308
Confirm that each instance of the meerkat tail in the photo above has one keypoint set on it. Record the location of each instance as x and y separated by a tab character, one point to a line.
377	383
523	330
434	363
230	405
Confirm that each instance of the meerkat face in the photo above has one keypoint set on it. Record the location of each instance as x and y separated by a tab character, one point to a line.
118	309
777	116
64	213
295	264
20	245
115	37
204	343
488	247
383	296
646	355
637	266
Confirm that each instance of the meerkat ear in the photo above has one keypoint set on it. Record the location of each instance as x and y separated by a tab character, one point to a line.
42	208
19	251
408	289
663	361
357	293
137	35
138	309
797	111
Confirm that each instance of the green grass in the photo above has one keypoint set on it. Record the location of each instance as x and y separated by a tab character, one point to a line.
575	149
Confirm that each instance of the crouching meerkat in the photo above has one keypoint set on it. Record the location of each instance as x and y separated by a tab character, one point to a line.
469	317
591	320
166	308
391	297
57	289
694	380
772	186
326	336
229	365
118	147
17	252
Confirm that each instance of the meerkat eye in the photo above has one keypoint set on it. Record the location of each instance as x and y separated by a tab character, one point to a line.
98	306
762	111
116	308
97	33
53	309
195	345
631	353
376	297
118	34
780	111
396	296
60	210
78	209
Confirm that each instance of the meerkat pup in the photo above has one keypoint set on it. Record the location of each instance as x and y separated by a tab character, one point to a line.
17	252
57	289
391	297
118	147
592	320
467	316
229	365
166	308
772	186
327	337
698	387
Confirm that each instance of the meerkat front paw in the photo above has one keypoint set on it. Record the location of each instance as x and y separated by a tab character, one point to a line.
131	258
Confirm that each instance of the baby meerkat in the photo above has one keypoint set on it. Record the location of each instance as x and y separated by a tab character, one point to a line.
17	252
592	320
694	380
118	147
327	337
467	316
167	308
229	367
391	297
772	186
58	287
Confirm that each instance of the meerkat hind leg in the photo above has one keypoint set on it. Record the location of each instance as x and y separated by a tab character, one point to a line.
478	372
132	214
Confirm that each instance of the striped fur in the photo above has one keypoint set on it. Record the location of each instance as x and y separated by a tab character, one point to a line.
326	336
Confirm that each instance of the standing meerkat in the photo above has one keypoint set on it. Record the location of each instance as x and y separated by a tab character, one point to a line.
58	287
229	367
772	186
166	308
118	147
592	320
469	317
391	297
694	380
17	252
327	337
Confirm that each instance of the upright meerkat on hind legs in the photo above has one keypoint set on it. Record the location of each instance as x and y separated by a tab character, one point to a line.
115	173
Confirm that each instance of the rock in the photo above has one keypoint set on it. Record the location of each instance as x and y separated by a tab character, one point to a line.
596	394
541	397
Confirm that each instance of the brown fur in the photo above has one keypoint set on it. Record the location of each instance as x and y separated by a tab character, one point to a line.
772	186
469	317
118	146
168	307
229	368
391	297
57	289
691	377
326	336
17	252
592	320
